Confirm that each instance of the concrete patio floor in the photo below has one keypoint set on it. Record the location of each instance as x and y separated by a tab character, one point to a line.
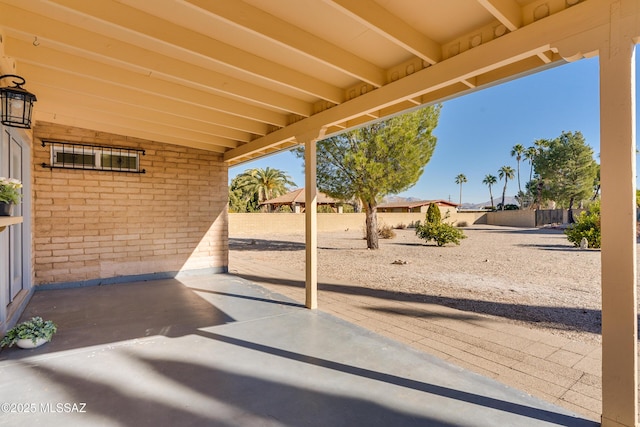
221	351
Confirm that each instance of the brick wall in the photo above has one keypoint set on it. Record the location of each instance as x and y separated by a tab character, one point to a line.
91	225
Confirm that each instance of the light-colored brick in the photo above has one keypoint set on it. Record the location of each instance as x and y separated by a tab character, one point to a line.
87	223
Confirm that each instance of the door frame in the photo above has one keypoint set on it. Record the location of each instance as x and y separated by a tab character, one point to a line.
10	312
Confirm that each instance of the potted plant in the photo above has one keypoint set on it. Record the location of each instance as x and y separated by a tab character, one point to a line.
9	194
30	334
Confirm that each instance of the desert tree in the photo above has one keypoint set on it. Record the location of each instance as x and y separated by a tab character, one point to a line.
506	173
490	180
368	163
568	169
461	179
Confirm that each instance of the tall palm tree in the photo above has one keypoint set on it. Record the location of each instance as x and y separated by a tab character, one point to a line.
490	180
507	173
461	179
517	151
265	183
530	154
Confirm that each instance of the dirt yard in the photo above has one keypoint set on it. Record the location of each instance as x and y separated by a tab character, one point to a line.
533	277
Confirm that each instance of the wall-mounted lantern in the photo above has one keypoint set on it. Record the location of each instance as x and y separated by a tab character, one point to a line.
16	103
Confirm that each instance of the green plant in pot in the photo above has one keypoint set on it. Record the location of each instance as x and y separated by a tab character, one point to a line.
9	194
29	334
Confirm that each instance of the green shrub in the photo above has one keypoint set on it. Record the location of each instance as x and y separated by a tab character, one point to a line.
442	233
588	226
462	224
433	214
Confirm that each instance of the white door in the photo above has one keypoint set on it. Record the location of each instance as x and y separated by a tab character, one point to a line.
13	163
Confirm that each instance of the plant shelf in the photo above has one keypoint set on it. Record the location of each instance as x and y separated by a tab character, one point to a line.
6	221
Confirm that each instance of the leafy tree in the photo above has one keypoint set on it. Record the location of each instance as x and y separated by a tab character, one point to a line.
506	173
254	186
517	151
461	179
539	145
371	162
241	200
567	169
490	180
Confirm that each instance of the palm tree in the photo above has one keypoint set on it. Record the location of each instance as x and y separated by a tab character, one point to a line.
517	151
530	154
461	179
507	173
490	180
265	183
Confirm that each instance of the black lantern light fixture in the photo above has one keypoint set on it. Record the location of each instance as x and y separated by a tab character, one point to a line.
16	103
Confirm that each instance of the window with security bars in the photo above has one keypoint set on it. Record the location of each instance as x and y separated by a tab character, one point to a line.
68	155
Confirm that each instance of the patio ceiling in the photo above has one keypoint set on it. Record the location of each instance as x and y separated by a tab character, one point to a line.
246	78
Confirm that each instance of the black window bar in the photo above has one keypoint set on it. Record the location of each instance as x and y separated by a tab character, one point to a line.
71	155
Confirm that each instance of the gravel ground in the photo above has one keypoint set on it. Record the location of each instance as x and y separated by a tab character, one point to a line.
533	277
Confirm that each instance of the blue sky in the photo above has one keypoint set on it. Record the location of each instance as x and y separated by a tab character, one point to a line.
477	131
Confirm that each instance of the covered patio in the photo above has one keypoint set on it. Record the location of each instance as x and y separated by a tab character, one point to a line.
180	90
221	351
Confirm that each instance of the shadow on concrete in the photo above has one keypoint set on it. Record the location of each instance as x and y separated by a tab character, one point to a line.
153	388
248	297
104	314
289	404
119	404
236	244
562	318
564	248
383	417
423	314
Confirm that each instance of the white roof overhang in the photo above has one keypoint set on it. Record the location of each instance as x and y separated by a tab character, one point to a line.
246	78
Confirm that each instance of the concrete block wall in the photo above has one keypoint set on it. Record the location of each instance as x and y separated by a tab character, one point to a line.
243	224
100	225
516	218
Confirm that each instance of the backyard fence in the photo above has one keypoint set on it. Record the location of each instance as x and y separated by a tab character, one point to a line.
549	216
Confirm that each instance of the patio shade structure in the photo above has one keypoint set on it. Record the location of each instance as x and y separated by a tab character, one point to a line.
250	78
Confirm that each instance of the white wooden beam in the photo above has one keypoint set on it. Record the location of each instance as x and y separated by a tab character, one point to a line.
508	12
378	19
26	52
113	128
272	28
107	91
140	24
31	18
585	18
82	103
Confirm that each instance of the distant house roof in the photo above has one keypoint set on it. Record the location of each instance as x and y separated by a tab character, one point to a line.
297	197
415	204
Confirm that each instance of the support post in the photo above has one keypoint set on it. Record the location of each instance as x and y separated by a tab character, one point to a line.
311	225
311	217
618	210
